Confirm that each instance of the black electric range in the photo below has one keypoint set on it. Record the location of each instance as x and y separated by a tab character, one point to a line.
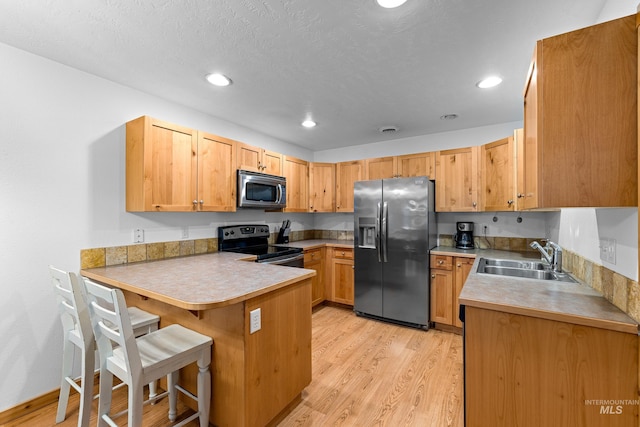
254	240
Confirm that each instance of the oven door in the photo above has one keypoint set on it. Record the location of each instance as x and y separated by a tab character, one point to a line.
287	260
258	190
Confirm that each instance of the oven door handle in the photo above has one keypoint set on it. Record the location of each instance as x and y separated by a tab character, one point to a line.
284	260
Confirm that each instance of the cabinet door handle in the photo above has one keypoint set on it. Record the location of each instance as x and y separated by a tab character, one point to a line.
433	276
440	262
509	202
202	202
195	202
459	265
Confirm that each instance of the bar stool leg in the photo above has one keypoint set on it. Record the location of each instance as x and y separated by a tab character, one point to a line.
67	368
86	386
172	380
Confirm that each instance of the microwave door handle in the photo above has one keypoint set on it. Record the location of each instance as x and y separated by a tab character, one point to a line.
383	233
279	198
377	239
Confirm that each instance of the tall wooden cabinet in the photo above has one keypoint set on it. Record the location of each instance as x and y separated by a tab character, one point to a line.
498	175
347	173
258	159
457	180
296	171
322	187
176	169
580	119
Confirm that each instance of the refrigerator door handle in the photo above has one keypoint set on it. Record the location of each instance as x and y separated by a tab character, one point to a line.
378	248
383	233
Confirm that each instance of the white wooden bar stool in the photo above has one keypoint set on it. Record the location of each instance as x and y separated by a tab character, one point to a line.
78	332
137	361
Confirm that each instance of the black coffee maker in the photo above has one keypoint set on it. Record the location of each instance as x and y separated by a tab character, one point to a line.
464	235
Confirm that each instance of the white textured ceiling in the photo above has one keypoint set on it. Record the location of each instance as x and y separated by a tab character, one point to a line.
355	67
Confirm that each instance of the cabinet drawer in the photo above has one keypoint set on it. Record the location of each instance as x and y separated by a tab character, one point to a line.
442	262
312	255
343	253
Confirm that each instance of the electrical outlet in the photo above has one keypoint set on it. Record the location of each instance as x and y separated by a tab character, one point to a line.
255	321
138	235
185	232
608	250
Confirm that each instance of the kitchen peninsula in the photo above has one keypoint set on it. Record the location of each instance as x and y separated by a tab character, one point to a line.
255	376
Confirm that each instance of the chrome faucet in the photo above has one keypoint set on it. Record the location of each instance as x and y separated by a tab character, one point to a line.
552	253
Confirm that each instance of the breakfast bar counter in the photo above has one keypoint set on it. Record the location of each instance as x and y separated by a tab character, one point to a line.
256	376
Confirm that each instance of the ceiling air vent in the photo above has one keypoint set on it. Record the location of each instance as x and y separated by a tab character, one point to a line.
388	129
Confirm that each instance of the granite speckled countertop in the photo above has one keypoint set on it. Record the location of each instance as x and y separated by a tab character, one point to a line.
575	303
200	282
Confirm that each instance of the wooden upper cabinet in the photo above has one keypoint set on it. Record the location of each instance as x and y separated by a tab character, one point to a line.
177	169
420	164
381	168
347	173
161	166
322	187
216	173
457	180
258	159
580	119
518	140
296	171
498	172
272	163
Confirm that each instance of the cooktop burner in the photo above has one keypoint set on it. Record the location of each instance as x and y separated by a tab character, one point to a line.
251	240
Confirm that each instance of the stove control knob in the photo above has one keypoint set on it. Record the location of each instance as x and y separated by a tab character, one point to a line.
226	233
233	232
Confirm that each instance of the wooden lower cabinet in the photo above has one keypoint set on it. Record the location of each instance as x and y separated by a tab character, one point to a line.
342	276
527	371
314	259
448	274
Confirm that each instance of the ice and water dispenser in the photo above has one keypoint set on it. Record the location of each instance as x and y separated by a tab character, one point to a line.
367	232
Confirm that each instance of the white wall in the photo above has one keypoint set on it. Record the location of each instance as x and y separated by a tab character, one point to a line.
418	144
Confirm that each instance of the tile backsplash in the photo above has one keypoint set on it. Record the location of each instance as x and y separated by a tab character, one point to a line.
621	291
101	257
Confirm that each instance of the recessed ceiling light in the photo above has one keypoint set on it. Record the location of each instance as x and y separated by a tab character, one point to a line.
490	81
390	4
449	117
309	123
218	79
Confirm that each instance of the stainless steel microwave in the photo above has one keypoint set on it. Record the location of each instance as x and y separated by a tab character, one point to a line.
261	191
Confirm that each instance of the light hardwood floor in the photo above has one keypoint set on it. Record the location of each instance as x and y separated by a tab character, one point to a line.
365	373
368	373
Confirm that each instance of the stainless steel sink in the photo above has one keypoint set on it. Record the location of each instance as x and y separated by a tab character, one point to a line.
529	265
523	269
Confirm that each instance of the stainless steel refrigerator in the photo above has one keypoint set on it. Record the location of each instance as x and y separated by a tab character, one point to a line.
394	229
